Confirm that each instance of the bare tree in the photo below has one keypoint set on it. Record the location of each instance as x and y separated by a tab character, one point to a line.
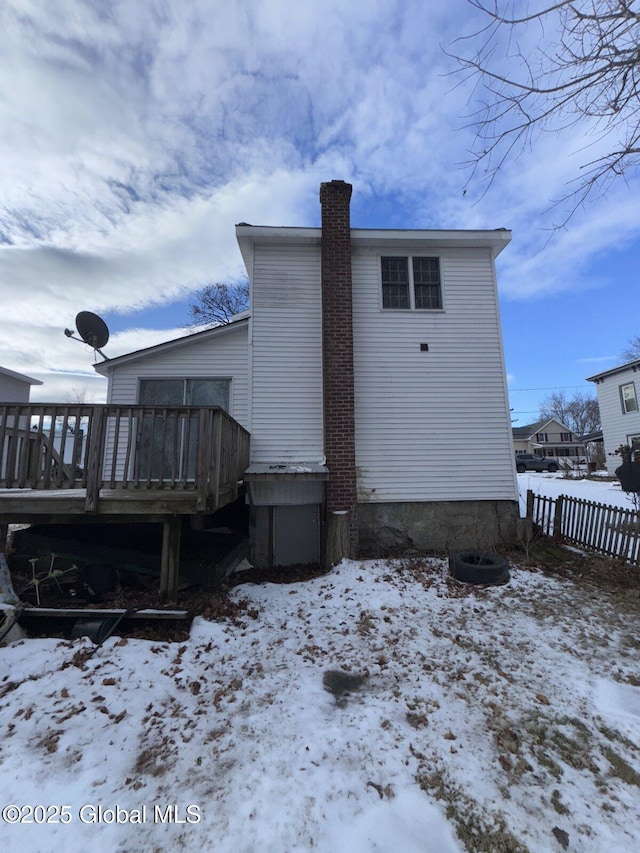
215	304
632	352
580	413
583	70
77	395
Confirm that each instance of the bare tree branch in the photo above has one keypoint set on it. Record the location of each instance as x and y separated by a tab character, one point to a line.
583	70
215	304
580	413
632	352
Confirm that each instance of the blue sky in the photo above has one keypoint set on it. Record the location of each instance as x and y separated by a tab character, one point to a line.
135	135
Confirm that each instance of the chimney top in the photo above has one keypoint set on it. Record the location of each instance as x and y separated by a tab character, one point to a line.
336	186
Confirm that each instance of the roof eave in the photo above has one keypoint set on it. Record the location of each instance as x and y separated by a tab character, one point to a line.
104	367
630	365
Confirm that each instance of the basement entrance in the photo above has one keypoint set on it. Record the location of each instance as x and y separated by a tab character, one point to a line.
296	535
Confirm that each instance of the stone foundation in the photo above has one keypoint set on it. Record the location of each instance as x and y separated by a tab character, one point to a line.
394	529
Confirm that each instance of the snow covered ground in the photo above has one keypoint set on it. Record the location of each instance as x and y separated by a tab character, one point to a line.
505	718
552	485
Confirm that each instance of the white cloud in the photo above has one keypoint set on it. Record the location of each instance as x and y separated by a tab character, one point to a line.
137	134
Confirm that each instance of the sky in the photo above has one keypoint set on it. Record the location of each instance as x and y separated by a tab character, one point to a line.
506	717
134	136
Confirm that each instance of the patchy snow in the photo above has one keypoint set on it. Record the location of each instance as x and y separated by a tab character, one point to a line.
552	485
505	718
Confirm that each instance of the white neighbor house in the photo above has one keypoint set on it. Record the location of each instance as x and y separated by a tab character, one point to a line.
618	391
370	374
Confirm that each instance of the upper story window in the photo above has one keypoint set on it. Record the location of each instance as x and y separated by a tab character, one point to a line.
542	436
628	398
565	436
411	283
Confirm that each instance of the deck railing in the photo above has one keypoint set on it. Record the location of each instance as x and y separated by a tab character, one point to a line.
52	447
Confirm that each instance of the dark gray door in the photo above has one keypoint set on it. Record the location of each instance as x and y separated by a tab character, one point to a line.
296	535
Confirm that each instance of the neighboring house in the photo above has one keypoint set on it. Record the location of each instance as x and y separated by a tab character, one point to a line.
548	437
371	377
15	387
618	391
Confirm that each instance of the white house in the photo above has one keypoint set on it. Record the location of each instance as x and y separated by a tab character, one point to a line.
15	387
618	391
371	377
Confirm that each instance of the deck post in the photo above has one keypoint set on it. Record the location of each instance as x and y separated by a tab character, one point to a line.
170	559
95	460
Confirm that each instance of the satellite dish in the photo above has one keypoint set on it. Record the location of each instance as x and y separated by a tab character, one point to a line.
92	330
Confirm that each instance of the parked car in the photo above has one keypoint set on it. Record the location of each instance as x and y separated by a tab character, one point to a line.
529	462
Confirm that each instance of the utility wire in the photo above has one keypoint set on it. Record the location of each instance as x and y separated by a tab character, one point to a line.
550	388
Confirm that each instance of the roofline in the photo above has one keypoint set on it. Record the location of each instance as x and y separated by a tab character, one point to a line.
12	374
541	425
633	365
104	367
496	239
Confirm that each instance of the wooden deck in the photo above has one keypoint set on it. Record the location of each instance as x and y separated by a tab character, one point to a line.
67	464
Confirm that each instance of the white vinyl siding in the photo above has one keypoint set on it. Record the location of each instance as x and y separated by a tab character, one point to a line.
618	427
432	425
221	356
286	354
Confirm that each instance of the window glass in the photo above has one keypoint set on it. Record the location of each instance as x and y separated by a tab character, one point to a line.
162	392
395	283
208	392
185	392
426	282
629	401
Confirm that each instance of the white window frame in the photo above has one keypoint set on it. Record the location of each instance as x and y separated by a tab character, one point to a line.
626	409
411	284
566	436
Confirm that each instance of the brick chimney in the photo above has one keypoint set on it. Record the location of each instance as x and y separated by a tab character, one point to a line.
337	368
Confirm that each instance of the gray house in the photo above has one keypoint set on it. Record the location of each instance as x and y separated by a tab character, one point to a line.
618	391
370	374
15	387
